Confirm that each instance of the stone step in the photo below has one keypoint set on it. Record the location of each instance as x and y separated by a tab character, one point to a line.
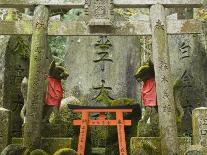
98	151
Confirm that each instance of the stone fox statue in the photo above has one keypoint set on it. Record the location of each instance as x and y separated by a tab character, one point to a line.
146	74
54	92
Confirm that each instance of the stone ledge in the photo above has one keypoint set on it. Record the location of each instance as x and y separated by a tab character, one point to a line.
154	146
50	145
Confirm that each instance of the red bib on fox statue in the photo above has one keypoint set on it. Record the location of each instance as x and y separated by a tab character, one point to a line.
54	92
148	92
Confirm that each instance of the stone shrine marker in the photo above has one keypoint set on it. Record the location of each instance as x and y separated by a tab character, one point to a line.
199	119
158	27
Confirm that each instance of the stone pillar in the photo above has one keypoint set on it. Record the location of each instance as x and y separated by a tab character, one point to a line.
164	87
199	119
3	44
35	94
5	128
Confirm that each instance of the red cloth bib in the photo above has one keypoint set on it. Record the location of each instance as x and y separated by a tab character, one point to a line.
54	92
148	92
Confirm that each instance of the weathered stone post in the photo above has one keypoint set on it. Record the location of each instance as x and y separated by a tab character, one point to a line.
199	122
35	94
164	87
5	117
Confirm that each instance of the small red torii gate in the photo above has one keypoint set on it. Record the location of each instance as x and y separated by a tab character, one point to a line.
102	121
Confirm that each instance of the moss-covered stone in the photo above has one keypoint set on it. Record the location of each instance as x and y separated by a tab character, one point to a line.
35	94
13	149
38	152
196	150
55	130
66	151
50	145
53	144
152	145
98	151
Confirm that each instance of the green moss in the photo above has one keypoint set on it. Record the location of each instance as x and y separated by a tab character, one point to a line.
104	97
152	145
38	152
177	84
66	151
22	47
122	101
54	26
11	15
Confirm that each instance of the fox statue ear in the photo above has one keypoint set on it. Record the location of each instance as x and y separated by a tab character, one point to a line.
52	66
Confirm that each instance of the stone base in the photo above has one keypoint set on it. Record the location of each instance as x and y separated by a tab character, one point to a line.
50	145
152	146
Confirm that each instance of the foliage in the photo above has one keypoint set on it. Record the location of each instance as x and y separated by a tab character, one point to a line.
126	13
57	46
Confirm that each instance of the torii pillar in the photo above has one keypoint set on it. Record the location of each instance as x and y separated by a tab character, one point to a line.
164	88
35	94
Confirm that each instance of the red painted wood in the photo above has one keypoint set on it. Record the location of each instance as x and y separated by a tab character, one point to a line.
83	132
102	120
121	133
103	110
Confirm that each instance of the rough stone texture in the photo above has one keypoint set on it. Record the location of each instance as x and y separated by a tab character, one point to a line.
3	44
100	12
199	120
5	137
52	3
55	130
188	64
35	95
15	69
86	74
152	146
166	3
50	145
123	28
164	88
196	150
13	149
119	3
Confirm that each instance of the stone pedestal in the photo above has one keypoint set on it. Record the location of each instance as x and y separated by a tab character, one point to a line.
199	119
5	128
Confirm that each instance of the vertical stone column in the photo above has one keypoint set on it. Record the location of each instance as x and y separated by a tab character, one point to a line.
199	123
5	128
164	87
35	94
